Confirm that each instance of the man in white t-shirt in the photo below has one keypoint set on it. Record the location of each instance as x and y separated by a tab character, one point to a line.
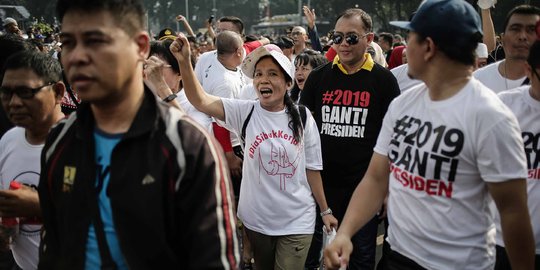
524	102
220	75
519	34
450	146
31	94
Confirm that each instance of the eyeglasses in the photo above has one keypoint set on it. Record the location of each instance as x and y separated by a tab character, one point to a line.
21	91
350	38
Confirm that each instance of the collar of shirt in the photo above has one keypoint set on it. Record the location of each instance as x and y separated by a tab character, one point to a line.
368	64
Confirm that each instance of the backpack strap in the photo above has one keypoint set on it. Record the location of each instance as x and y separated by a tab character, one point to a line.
303	115
244	126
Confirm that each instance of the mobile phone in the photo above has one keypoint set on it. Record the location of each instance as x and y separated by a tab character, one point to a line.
211	19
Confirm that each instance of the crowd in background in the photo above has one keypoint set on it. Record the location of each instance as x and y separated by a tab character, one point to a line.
262	141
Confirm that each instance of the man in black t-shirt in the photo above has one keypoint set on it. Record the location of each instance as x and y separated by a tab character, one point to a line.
349	98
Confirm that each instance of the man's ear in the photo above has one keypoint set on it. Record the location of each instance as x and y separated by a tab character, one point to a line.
59	89
370	37
430	48
290	84
142	39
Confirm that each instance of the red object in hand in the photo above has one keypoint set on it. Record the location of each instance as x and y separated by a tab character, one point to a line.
12	221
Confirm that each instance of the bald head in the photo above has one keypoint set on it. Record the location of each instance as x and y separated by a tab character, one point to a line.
228	42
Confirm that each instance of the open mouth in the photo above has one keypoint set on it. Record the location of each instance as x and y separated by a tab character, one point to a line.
266	92
300	81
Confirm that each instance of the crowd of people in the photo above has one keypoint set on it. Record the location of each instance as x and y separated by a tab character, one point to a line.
222	150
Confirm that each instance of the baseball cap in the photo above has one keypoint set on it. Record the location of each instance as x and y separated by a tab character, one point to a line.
166	33
9	20
248	65
451	21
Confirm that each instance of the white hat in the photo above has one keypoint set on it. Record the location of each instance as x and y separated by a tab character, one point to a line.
481	50
248	65
9	21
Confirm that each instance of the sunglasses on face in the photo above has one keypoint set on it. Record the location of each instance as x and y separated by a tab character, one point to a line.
22	92
350	38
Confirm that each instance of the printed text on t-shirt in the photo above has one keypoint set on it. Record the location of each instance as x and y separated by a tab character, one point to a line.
273	134
416	143
344	113
532	147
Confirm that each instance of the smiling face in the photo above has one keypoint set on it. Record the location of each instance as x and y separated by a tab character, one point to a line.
101	60
271	84
352	55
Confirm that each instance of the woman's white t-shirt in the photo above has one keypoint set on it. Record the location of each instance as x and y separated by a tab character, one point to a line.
275	196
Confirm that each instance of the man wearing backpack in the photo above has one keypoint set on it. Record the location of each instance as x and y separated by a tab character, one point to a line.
128	182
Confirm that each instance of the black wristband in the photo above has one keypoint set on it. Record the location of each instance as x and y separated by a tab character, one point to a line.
169	98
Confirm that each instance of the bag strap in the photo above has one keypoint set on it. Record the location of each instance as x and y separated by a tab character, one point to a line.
302	110
107	263
244	126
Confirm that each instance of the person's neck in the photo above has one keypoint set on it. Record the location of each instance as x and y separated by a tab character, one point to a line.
227	62
299	48
512	69
38	134
354	67
116	116
445	79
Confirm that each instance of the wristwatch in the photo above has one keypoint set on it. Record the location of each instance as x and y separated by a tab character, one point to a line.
169	98
326	212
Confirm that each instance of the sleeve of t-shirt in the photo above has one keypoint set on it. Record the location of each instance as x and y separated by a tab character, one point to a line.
312	144
252	45
385	135
236	111
499	151
392	88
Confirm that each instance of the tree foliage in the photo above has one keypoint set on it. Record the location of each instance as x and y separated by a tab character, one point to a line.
162	12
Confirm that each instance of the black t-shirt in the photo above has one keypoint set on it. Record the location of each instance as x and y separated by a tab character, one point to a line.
349	110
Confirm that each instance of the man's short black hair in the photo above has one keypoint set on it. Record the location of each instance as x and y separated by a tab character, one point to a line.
387	37
161	48
129	14
464	52
10	45
523	10
45	67
364	16
236	21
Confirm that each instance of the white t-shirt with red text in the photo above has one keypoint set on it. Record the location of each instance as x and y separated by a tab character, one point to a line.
442	155
527	111
275	196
